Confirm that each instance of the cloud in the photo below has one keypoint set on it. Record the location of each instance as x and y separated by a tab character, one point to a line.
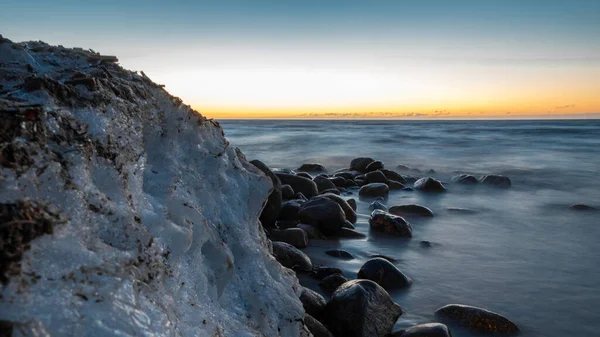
565	106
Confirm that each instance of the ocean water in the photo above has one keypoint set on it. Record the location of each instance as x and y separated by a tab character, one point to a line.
521	252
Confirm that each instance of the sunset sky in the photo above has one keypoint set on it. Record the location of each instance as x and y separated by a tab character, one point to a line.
352	59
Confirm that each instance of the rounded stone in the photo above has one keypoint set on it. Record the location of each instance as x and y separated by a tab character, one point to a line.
381	221
331	282
424	330
360	164
478	319
384	273
465	179
376	177
374	190
411	210
392	175
377	205
289	211
323	213
315	327
429	184
291	257
300	184
272	208
312	232
316	168
294	236
348	210
339	253
582	207
313	302
322	272
348	233
495	180
374	166
323	183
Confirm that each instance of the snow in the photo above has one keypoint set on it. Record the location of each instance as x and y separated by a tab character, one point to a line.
161	235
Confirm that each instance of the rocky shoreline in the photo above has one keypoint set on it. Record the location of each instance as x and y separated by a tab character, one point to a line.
308	205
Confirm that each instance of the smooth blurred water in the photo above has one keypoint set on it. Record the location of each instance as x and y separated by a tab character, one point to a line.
524	253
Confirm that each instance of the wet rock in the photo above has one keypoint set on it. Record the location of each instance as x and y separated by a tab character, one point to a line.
339	253
331	191
346	207
384	273
299	184
426	244
385	257
411	210
461	210
287	192
374	166
289	211
312	232
348	225
377	205
376	177
285	224
361	308
313	302
315	327
332	282
360	182
390	224
360	164
582	207
465	179
346	175
374	190
394	185
291	257
350	183
304	175
323	183
403	167
352	204
322	272
495	180
294	236
323	213
392	175
350	234
338	181
424	330
271	210
300	196
316	168
477	319
429	184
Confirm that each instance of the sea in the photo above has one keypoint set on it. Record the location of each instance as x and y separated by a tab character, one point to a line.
521	252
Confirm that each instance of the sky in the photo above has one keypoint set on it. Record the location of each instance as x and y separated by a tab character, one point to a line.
342	59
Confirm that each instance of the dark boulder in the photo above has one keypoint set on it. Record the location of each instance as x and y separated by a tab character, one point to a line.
344	174
374	190
352	204
350	183
347	233
478	319
495	180
313	302
424	330
461	210
377	205
289	211
385	257
411	210
338	181
376	177
361	308
294	236
381	221
331	282
384	273
465	179
291	257
360	164
395	185
348	225
323	213
299	184
322	272
392	175
312	232
316	168
348	210
315	327
429	184
271	210
374	166
331	191
287	192
304	175
582	207
339	253
323	183
360	182
300	196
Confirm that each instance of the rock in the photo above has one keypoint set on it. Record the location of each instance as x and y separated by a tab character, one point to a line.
350	183
410	179
385	257
411	210
342	254
338	181
289	211
360	182
391	224
376	177
394	185
384	273
315	327
582	207
461	210
431	171
294	236
360	164
304	175
374	190
313	302
374	166
299	184
377	205
332	282
287	192
424	330
403	167
348	225
271	210
346	207
291	257
465	179
285	224
312	232
322	272
352	204
331	191
495	180
392	175
323	213
429	184
344	174
477	319
426	244
323	183
316	168
350	234
300	196
361	308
